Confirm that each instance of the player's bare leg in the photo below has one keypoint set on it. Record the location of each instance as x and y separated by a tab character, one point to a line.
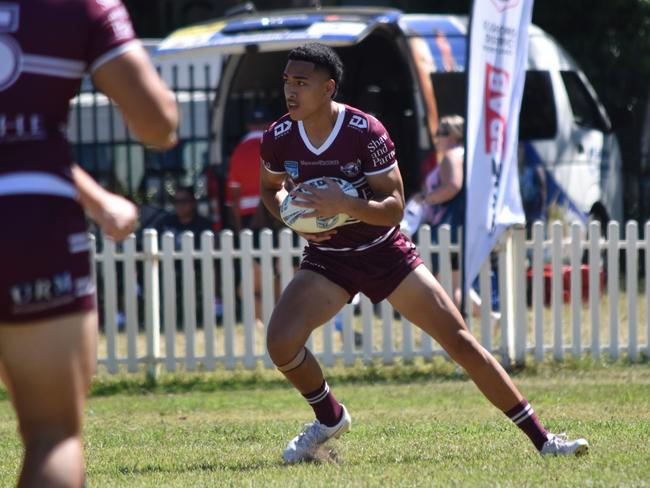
48	365
423	301
309	301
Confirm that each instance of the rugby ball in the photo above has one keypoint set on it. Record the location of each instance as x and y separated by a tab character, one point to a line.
293	215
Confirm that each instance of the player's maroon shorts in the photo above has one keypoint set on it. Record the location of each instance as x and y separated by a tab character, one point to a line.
375	272
44	258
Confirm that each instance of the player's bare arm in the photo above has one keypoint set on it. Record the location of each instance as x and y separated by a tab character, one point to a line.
146	103
387	205
272	190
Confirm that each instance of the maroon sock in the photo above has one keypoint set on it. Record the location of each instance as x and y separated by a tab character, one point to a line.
327	409
526	419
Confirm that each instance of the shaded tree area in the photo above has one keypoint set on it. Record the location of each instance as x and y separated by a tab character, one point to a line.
610	40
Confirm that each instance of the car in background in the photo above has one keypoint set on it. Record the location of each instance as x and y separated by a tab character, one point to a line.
409	70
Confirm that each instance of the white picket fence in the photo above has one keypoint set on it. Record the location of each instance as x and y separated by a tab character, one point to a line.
138	301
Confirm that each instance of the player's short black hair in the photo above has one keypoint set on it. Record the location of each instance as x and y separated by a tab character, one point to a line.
323	57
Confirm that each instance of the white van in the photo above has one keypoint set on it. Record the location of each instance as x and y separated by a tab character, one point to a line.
408	70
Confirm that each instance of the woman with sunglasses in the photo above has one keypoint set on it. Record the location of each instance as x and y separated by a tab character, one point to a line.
442	186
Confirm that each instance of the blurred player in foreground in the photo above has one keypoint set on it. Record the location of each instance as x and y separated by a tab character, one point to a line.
48	321
322	138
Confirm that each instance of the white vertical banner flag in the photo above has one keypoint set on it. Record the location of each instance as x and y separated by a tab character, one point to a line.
498	51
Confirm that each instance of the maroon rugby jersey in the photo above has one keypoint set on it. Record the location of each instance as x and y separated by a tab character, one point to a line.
46	47
358	146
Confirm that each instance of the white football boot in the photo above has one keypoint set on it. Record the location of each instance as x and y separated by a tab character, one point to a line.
560	445
303	447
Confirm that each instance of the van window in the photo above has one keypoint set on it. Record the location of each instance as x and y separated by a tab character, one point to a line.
538	119
584	107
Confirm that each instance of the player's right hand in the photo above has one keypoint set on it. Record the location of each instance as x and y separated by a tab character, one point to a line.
117	216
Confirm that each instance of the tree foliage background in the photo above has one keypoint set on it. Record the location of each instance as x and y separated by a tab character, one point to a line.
610	40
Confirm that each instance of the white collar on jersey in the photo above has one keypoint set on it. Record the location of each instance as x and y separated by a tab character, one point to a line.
328	142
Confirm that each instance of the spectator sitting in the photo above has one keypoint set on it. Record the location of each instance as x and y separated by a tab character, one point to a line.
441	190
243	183
185	217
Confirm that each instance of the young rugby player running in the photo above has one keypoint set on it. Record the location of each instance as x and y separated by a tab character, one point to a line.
322	138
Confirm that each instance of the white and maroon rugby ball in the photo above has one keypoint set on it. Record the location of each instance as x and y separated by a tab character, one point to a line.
292	215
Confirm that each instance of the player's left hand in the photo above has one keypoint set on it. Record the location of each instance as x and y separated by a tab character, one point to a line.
324	201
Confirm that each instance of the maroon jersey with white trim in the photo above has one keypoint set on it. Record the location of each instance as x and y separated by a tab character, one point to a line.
46	47
358	146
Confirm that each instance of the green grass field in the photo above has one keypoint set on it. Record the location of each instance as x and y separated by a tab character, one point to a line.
413	426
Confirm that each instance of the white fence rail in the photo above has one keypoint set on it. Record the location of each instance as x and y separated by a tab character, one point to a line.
558	293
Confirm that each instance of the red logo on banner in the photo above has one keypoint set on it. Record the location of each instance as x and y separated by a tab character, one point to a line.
497	83
502	5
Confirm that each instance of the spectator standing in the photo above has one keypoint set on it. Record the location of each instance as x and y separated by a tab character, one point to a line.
243	184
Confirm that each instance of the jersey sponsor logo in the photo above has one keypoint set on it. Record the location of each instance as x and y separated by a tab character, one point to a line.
351	169
359	122
380	152
292	169
121	23
42	289
21	128
281	129
321	162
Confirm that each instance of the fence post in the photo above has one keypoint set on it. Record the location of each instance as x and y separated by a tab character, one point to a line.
506	293
576	289
425	248
612	287
228	292
131	304
247	296
557	290
367	319
151	301
110	303
594	287
631	274
519	270
538	289
169	300
387	331
268	284
189	298
208	294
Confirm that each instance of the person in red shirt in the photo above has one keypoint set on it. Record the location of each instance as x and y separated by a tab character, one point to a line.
243	184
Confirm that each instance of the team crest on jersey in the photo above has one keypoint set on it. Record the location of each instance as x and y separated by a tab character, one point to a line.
281	129
351	169
358	122
291	167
